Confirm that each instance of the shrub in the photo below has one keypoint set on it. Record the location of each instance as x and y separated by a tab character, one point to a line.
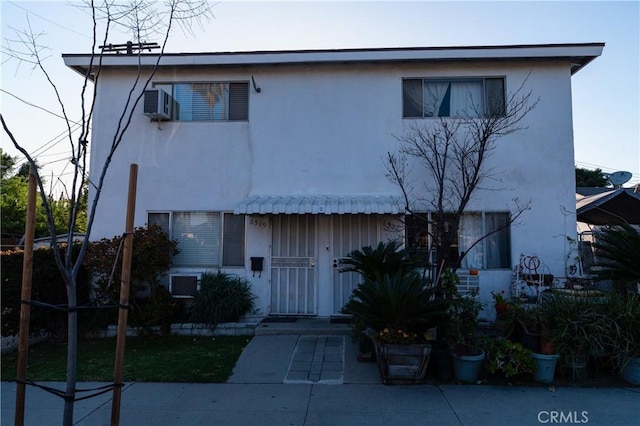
222	298
508	358
152	254
47	286
388	258
157	310
618	253
403	301
151	259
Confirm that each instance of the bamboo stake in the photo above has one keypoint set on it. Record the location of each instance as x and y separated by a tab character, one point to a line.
25	307
124	297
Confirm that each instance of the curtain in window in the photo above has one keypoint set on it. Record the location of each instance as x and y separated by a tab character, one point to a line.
412	98
494	93
199	236
467	99
434	95
497	244
471	230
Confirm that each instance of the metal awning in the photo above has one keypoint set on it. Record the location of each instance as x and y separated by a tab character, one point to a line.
319	204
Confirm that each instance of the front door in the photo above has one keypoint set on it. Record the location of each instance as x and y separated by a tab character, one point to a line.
293	265
350	232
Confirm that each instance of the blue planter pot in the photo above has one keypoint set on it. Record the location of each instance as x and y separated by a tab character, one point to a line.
466	368
631	371
546	367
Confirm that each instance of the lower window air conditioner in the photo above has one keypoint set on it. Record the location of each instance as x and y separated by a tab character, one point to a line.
184	285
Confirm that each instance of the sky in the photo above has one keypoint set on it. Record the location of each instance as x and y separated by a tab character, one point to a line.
606	93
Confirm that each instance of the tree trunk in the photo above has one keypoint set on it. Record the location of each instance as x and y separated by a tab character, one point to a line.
72	355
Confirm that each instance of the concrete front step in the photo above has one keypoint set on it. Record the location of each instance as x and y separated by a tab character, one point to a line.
309	326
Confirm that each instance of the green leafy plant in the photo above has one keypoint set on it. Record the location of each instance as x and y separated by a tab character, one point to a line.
403	301
388	258
462	332
152	254
624	309
157	310
579	326
508	358
222	298
47	287
618	256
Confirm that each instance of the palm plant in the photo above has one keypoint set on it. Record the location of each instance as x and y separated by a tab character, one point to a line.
625	311
618	256
388	258
402	301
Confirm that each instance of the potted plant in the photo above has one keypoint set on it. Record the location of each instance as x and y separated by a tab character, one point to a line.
502	306
386	259
579	327
625	311
463	336
508	358
399	309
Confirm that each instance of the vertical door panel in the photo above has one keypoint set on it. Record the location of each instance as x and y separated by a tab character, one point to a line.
293	262
350	232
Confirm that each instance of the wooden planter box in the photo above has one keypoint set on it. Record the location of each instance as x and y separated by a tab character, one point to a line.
402	364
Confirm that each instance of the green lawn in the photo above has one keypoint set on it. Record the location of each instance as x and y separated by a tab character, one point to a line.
147	359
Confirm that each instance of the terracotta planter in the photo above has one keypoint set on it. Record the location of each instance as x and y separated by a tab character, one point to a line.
402	364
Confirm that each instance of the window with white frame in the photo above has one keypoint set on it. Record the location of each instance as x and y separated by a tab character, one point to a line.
491	252
205	239
460	97
225	101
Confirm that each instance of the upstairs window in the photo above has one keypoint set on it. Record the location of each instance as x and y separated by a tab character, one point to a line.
211	101
474	97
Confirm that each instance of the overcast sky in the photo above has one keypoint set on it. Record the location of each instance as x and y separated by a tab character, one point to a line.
606	93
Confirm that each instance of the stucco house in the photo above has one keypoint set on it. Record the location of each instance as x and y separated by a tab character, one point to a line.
271	165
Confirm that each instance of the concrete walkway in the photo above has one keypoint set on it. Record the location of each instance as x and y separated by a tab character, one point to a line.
296	379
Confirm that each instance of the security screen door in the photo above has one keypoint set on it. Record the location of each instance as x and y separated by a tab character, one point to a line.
293	265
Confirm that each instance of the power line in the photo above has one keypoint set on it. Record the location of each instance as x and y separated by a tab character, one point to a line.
37	106
50	21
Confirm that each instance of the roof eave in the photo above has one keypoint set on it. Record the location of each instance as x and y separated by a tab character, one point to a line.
579	55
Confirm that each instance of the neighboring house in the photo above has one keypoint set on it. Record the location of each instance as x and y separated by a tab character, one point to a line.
607	206
271	165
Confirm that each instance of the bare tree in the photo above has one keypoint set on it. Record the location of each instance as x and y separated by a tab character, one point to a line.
142	19
452	154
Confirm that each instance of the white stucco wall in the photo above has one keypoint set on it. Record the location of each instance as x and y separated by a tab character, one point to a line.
326	130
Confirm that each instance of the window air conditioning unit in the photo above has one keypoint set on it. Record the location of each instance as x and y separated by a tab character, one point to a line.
184	285
158	104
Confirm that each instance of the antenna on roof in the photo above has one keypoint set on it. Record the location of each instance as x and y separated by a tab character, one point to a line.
128	47
617	179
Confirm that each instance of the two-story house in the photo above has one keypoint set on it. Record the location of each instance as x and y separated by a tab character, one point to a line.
271	165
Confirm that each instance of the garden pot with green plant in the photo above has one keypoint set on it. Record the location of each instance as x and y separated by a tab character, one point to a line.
463	337
625	311
371	263
618	260
508	359
579	327
400	310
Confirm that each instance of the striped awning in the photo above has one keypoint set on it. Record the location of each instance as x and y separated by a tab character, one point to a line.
319	204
